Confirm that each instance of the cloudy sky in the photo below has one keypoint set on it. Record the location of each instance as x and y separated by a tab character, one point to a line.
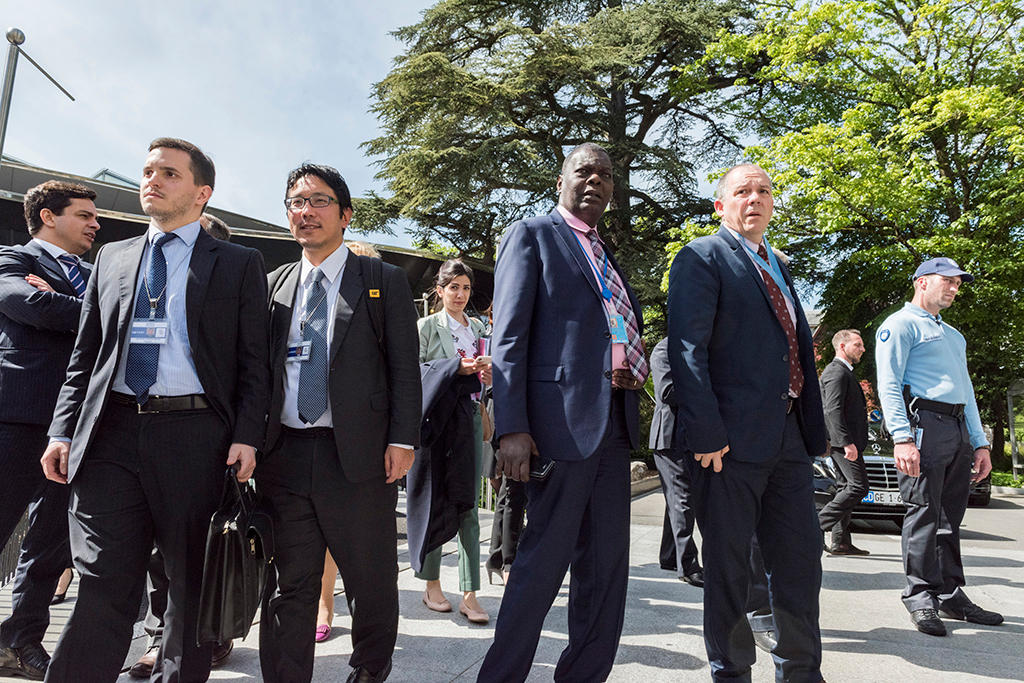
261	86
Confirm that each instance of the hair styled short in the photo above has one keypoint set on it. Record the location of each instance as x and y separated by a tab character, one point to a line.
217	228
843	337
329	175
203	170
55	195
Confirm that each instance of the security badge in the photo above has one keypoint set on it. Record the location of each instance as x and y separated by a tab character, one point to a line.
149	331
299	351
617	328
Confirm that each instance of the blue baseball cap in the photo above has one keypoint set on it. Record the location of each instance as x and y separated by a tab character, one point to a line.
942	266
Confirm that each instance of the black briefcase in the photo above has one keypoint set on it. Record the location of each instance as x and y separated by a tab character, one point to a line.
239	557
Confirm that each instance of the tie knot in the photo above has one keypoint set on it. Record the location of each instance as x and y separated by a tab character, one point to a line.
316	276
69	259
164	239
762	252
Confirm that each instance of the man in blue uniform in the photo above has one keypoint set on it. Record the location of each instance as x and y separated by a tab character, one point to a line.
929	406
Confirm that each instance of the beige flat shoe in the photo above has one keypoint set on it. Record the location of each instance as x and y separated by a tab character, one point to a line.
440	606
474	616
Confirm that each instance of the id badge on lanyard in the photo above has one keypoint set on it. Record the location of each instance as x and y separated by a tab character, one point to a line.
616	323
299	351
149	331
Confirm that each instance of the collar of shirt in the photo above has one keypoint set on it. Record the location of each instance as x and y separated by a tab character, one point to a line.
917	310
50	248
331	266
754	246
455	324
576	223
845	362
187	233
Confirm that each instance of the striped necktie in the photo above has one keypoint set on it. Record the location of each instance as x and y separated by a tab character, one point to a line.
634	345
70	262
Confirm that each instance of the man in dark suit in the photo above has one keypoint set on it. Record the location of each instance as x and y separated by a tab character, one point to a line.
344	419
41	287
168	384
846	418
568	360
750	412
678	548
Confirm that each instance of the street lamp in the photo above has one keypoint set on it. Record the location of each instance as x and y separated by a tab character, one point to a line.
15	36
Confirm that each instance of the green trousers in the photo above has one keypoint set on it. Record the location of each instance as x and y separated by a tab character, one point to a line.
469	532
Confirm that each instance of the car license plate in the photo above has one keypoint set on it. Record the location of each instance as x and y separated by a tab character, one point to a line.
883	498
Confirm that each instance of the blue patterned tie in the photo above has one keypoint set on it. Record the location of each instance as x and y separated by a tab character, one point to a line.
143	359
312	399
74	273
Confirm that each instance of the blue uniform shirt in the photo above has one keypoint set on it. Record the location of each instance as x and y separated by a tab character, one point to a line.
916	348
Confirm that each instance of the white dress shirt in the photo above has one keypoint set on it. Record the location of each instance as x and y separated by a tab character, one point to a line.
333	267
56	252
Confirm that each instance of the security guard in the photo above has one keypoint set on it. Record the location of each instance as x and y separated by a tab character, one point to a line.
929	406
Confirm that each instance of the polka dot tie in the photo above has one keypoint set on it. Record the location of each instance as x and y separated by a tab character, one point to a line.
796	375
312	396
144	359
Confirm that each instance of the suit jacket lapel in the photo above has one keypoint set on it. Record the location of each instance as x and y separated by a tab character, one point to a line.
445	335
47	262
744	259
348	297
281	318
128	263
572	244
200	266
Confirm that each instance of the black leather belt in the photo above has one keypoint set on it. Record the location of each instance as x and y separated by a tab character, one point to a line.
309	432
162	404
951	409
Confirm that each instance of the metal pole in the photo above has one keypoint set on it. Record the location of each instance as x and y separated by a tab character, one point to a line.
1013	435
15	37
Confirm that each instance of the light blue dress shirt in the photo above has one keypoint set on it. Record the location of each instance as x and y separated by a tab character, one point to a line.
176	373
915	348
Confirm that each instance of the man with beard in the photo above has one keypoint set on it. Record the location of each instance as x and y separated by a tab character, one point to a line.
167	386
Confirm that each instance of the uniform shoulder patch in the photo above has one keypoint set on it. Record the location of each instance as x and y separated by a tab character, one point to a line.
883	335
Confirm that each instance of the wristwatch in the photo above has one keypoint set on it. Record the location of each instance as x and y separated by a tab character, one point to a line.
904	441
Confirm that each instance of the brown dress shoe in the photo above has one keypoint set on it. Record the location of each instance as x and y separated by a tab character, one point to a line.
221	652
144	667
28	662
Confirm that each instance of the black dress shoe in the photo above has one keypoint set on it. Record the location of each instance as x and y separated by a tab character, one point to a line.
362	675
765	640
28	662
221	652
694	578
846	549
972	613
927	621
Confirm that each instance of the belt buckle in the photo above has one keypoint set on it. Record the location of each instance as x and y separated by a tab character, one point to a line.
143	411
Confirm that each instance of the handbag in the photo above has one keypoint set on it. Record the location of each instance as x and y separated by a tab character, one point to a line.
237	565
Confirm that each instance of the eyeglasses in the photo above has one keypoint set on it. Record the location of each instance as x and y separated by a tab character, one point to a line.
317	201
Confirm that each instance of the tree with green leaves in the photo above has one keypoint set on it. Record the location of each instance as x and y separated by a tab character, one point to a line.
479	112
893	131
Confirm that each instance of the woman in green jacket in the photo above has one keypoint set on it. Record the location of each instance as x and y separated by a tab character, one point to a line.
446	334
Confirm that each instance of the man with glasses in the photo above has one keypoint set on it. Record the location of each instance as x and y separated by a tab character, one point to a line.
344	419
167	386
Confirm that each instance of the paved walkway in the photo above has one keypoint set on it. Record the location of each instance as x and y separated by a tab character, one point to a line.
866	632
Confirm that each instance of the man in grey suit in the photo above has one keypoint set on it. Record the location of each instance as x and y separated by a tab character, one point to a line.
41	286
678	549
167	386
344	419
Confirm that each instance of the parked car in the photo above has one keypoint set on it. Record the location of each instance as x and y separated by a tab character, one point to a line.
883	498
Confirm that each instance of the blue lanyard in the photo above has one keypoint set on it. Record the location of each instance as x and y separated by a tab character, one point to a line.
605	292
772	267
